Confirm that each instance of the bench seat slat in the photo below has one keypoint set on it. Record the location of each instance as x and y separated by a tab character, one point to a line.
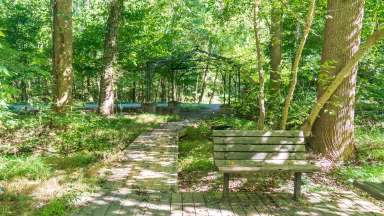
256	163
260	155
293	168
260	148
259	140
257	133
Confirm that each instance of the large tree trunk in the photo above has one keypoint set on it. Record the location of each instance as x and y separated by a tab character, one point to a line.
333	131
107	82
344	73
260	62
62	53
276	50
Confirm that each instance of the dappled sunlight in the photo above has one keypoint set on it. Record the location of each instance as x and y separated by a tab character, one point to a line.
211	203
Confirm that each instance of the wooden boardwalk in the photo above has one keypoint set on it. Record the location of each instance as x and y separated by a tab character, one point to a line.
207	204
374	189
146	184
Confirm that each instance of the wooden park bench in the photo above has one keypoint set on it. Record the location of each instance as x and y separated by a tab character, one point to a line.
248	151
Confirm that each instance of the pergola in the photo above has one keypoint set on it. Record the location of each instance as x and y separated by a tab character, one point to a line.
187	61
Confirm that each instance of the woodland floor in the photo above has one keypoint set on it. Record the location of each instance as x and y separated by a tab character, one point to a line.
152	173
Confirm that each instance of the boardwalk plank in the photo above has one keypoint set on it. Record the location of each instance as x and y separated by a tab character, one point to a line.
236	206
246	205
188	204
212	203
176	204
259	204
200	205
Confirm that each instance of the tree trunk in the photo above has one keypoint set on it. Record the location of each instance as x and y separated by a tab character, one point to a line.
163	94
344	73
173	87
259	65
204	83
62	53
276	51
107	82
213	88
133	96
295	64
333	131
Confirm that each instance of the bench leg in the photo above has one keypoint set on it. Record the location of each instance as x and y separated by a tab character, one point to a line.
226	185
297	189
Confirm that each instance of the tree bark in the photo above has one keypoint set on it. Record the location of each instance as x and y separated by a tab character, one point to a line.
204	82
107	82
295	64
260	62
344	73
276	50
62	53
333	131
213	89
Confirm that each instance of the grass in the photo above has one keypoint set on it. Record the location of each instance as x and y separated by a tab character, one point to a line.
195	150
369	162
28	167
47	159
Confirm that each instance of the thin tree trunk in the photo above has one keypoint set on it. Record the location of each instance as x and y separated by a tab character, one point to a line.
333	130
134	92
163	90
344	73
107	83
223	75
173	96
197	84
295	64
213	90
276	50
259	65
204	83
229	88
62	53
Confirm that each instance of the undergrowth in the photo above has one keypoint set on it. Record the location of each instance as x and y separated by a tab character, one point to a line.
51	152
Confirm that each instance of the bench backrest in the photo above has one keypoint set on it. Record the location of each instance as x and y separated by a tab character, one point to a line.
258	148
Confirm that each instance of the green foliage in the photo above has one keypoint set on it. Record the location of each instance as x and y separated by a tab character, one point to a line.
28	167
195	150
369	162
233	122
72	132
59	206
77	160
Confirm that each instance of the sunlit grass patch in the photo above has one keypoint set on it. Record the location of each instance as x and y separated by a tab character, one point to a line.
59	206
370	173
234	123
28	167
369	162
77	160
195	150
195	155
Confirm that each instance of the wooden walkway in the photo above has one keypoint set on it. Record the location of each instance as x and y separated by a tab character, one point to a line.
146	184
375	189
208	204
